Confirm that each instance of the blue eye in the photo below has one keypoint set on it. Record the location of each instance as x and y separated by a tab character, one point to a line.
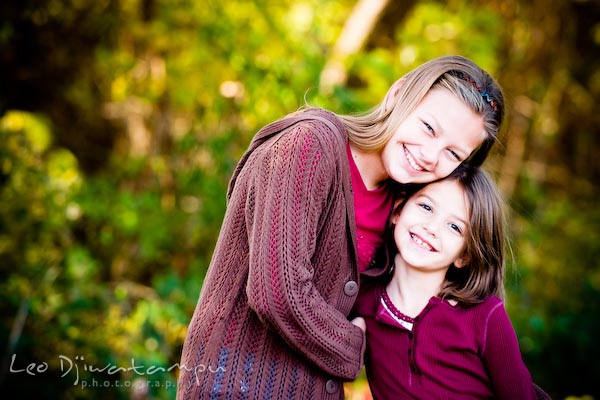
455	228
425	206
429	128
454	155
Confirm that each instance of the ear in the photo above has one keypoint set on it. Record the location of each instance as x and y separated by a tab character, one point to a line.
394	217
396	210
461	262
392	94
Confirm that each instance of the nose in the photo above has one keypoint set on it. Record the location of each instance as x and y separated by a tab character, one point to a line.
430	154
430	228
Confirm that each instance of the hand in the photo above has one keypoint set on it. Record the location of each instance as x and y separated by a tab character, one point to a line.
360	322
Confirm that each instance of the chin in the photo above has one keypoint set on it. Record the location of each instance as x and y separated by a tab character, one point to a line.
420	179
404	177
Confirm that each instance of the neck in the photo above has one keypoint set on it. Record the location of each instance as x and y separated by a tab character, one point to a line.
410	290
370	166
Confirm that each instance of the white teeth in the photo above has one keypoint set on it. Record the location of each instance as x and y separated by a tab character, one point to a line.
420	242
412	161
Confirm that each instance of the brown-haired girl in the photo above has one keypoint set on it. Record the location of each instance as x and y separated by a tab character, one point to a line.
438	328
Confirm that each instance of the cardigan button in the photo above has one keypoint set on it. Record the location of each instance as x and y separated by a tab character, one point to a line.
351	288
331	386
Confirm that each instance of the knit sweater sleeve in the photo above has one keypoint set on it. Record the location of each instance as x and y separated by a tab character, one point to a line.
502	357
289	206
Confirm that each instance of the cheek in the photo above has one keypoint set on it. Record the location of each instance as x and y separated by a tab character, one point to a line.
445	168
388	151
459	245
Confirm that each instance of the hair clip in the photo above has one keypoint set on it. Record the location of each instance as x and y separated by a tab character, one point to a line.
485	95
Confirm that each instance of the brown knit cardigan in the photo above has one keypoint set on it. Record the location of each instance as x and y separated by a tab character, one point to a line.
271	320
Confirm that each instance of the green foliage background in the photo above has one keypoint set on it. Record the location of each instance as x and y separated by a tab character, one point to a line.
121	122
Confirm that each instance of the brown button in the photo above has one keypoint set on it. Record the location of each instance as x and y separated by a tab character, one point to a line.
331	386
351	288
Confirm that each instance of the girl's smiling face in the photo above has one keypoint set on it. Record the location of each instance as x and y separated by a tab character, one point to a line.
431	229
434	139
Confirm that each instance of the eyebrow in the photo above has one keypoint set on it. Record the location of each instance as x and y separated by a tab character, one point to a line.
453	216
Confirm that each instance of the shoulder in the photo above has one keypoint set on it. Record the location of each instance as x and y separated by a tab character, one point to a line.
492	304
487	317
321	115
489	303
324	125
314	137
311	134
492	310
484	310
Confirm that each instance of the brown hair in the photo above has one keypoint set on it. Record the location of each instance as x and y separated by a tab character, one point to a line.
372	130
483	276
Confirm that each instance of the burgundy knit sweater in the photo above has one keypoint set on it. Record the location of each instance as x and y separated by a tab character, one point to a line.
271	320
446	352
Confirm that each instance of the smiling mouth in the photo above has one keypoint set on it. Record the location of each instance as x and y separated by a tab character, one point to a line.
411	161
421	242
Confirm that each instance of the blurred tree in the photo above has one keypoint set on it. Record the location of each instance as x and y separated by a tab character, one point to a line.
48	65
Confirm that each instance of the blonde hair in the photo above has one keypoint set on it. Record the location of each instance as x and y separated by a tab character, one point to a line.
372	130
